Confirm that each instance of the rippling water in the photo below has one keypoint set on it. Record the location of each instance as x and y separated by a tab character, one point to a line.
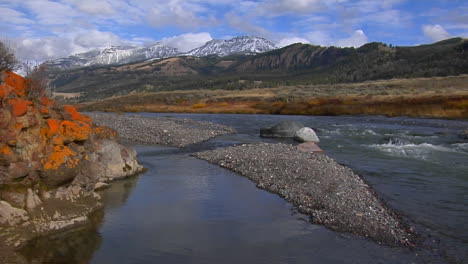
184	210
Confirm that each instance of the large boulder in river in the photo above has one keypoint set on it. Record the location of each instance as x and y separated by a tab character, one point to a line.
284	129
306	134
51	158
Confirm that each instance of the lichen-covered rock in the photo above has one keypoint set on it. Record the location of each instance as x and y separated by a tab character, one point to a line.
51	156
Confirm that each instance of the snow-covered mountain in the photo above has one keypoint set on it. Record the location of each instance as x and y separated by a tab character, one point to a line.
114	55
246	45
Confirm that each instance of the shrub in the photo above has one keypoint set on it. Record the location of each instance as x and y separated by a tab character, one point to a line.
7	58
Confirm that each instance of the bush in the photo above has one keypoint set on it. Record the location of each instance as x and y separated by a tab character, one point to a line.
38	81
7	58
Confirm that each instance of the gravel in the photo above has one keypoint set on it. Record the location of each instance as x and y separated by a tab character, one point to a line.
160	130
331	193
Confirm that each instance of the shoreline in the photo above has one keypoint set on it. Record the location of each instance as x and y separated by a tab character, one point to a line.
332	194
174	132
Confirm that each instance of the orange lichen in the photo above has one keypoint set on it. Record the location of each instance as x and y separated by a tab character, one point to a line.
53	127
6	150
46	101
60	155
16	81
75	131
104	132
19	126
19	106
44	110
75	115
5	90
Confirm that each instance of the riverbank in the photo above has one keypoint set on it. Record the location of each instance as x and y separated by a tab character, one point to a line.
441	97
160	130
332	194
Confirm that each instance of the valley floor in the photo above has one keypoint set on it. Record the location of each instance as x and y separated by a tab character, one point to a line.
442	97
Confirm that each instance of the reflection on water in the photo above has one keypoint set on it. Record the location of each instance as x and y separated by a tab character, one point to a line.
79	244
74	246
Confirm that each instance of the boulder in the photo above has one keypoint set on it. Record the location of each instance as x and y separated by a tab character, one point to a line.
306	134
309	147
284	129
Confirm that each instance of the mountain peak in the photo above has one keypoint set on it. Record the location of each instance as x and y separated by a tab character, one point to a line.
246	45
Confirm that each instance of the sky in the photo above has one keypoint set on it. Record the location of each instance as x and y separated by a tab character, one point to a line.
44	29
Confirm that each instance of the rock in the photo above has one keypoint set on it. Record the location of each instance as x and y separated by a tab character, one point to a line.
306	134
11	215
284	129
100	186
53	152
309	147
32	200
464	134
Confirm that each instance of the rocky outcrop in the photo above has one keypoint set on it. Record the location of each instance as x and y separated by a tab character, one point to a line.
51	159
284	129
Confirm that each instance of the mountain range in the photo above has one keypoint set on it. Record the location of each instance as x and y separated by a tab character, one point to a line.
243	45
296	64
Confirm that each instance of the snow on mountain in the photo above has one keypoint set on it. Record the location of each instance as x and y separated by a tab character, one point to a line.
246	45
114	55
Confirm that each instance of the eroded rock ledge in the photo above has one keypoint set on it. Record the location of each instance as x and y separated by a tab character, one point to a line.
332	194
166	131
52	158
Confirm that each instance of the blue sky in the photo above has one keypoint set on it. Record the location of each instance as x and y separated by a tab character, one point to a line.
41	29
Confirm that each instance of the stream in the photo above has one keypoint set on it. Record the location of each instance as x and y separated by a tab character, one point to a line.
185	210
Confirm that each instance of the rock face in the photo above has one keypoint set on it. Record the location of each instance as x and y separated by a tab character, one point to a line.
306	134
51	158
284	129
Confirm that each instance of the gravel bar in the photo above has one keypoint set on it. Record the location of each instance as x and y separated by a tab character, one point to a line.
331	193
160	130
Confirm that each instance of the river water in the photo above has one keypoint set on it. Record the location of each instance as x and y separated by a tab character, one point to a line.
185	210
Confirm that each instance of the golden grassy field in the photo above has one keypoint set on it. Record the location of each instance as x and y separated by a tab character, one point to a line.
425	97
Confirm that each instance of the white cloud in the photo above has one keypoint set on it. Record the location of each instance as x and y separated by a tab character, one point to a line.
46	48
187	42
288	41
95	38
435	32
357	39
243	24
11	16
95	7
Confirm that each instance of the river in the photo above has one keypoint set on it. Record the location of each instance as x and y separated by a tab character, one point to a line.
185	210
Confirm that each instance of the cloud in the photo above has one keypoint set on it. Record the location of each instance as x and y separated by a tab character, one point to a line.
95	38
95	7
11	16
288	41
46	48
435	32
243	24
357	39
187	42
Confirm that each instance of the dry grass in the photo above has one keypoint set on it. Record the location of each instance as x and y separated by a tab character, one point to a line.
432	97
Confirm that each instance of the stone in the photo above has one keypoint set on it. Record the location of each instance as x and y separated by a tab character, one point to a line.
11	215
306	134
32	200
16	199
100	186
284	129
